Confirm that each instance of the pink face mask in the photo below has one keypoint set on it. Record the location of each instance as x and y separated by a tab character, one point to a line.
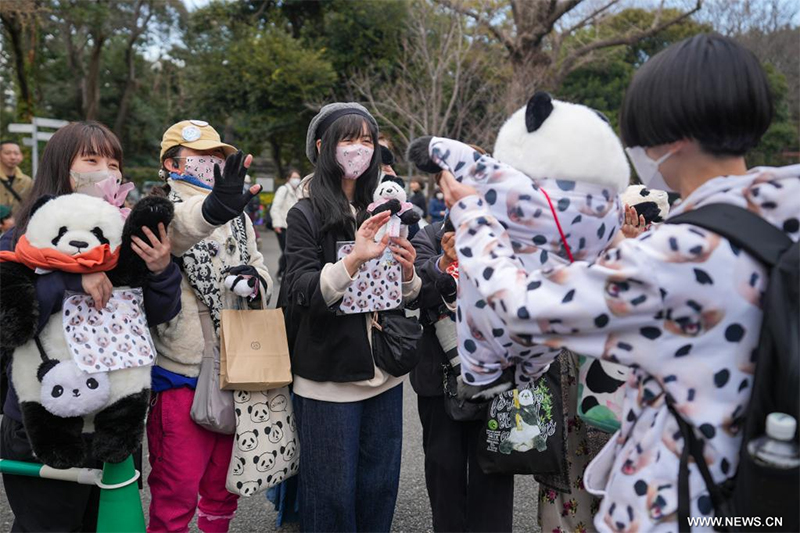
202	167
354	159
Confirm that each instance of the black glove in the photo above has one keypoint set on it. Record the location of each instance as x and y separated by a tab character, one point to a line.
447	287
227	201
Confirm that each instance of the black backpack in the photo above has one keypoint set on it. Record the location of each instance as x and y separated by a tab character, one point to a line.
756	491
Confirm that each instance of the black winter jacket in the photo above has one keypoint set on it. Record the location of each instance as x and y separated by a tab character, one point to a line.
427	377
324	346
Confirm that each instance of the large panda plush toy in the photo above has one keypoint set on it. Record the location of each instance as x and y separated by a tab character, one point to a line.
60	402
554	184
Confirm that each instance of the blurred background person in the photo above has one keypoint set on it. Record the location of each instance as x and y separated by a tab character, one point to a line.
417	196
16	186
436	207
285	198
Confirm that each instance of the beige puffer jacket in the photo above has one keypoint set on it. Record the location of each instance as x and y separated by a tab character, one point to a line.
180	341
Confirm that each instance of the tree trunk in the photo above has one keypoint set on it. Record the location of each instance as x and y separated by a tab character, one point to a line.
14	29
530	68
275	148
131	84
91	89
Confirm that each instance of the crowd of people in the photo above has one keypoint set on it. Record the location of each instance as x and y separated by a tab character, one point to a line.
681	307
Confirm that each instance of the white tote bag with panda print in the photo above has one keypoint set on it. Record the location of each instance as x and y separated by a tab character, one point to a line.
266	450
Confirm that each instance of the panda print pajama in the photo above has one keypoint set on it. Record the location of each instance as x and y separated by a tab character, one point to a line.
535	214
679	305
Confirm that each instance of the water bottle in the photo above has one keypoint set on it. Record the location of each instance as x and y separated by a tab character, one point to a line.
777	449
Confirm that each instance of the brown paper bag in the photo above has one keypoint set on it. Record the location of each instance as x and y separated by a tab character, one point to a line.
254	352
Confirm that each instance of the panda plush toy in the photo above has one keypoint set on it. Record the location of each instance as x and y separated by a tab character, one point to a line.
652	204
60	402
554	184
390	196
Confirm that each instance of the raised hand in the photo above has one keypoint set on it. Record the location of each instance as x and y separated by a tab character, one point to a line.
227	201
365	247
634	224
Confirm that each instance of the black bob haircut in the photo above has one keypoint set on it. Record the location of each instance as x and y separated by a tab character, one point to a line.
706	88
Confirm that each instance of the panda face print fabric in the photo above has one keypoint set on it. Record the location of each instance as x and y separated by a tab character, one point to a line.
535	214
378	284
112	338
265	450
678	304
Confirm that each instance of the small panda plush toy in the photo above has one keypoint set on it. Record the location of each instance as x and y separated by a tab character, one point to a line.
553	183
60	402
652	204
390	196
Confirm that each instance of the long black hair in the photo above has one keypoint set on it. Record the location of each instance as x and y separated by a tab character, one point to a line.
708	88
325	189
52	177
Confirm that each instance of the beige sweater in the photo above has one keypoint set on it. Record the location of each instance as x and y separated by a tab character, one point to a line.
180	341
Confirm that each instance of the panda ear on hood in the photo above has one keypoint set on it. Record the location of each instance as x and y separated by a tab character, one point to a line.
40	202
539	108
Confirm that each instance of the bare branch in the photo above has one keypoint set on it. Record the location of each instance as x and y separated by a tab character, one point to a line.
591	17
568	64
562	9
501	36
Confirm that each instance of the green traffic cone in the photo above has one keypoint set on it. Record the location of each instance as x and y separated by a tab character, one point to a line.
120	508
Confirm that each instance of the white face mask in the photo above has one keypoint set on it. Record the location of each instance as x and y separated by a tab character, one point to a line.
294	182
439	196
647	169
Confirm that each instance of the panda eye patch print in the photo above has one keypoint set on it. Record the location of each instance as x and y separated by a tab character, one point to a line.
111	339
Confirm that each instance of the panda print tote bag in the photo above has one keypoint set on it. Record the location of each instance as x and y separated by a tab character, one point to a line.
265	451
523	429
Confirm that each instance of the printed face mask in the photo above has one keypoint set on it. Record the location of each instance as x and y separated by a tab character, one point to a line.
647	169
202	167
354	159
105	184
88	182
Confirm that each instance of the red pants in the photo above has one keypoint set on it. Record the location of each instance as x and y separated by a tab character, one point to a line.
186	460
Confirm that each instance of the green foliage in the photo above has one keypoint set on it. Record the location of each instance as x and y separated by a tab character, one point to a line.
782	135
602	83
366	33
139	175
257	70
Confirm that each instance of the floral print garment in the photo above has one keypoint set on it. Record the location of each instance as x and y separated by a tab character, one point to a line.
679	305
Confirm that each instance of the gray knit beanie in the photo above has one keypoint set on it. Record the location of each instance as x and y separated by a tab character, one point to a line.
331	111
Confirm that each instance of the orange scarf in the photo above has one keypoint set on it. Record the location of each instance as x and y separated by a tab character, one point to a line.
98	259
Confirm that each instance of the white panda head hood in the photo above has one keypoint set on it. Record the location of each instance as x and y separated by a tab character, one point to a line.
553	139
74	224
